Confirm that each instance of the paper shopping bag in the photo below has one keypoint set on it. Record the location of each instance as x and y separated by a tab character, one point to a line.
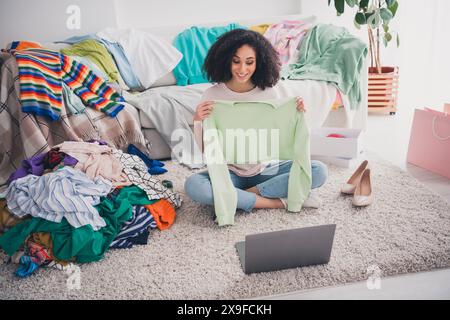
429	143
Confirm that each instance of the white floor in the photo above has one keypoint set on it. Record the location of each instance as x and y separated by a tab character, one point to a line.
388	137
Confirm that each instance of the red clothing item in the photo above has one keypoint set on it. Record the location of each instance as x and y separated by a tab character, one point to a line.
163	213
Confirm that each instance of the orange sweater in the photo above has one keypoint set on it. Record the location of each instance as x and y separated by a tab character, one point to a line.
163	213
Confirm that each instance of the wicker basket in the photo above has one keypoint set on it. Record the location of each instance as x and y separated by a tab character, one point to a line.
383	90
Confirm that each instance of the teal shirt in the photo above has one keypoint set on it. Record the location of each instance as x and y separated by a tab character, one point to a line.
276	121
194	44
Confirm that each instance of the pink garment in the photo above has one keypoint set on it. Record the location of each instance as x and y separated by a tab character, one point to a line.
286	38
106	166
221	92
82	150
96	160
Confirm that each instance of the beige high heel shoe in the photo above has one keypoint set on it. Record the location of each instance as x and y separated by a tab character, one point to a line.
363	193
350	186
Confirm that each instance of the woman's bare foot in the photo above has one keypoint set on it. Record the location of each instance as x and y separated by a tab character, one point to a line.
265	203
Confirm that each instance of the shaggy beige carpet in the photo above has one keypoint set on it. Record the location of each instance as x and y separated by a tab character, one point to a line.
407	229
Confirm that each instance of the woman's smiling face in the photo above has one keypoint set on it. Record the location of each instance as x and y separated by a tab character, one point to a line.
243	64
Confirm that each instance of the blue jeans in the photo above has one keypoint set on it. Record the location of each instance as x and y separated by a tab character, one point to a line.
271	183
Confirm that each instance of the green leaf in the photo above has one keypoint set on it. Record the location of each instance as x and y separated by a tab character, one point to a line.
360	18
356	25
386	27
363	4
351	3
374	21
386	15
339	5
393	8
389	2
388	36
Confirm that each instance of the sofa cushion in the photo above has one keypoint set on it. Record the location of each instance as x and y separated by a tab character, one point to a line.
150	56
166	80
184	98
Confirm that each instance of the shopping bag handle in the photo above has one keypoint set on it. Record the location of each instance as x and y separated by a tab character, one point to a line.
435	133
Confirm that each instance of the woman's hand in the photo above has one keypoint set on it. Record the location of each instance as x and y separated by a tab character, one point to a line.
300	105
203	110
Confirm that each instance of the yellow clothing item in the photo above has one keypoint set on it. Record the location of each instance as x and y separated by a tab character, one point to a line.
97	53
337	101
7	219
260	28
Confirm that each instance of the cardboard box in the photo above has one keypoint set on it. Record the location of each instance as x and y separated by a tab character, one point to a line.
349	147
341	162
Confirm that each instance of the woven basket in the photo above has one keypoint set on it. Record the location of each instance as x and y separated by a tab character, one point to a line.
383	90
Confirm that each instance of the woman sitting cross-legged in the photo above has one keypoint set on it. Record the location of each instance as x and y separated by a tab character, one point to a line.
245	67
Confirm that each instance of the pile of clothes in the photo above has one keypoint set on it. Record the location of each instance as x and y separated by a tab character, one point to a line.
76	201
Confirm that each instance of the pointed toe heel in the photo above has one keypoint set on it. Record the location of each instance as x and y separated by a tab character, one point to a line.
363	193
350	186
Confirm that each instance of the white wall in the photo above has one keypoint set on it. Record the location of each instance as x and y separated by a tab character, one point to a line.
423	53
145	14
46	20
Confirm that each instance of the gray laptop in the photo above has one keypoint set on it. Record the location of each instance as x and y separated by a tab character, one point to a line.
286	249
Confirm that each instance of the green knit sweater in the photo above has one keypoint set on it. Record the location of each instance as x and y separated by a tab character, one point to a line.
255	132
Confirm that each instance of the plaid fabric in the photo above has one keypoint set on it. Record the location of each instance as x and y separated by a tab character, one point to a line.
25	135
137	173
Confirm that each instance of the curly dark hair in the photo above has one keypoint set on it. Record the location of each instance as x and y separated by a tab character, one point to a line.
217	63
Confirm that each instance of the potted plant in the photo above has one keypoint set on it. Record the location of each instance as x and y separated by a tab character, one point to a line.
383	80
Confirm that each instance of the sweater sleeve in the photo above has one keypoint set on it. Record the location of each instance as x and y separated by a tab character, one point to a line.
300	178
224	192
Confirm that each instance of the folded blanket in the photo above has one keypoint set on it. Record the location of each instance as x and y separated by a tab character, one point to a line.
332	54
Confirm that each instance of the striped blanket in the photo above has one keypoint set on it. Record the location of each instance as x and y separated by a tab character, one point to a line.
41	73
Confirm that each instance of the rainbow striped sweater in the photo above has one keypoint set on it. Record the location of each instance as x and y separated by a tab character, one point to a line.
41	73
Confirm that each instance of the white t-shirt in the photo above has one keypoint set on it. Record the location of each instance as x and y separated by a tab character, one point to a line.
221	92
